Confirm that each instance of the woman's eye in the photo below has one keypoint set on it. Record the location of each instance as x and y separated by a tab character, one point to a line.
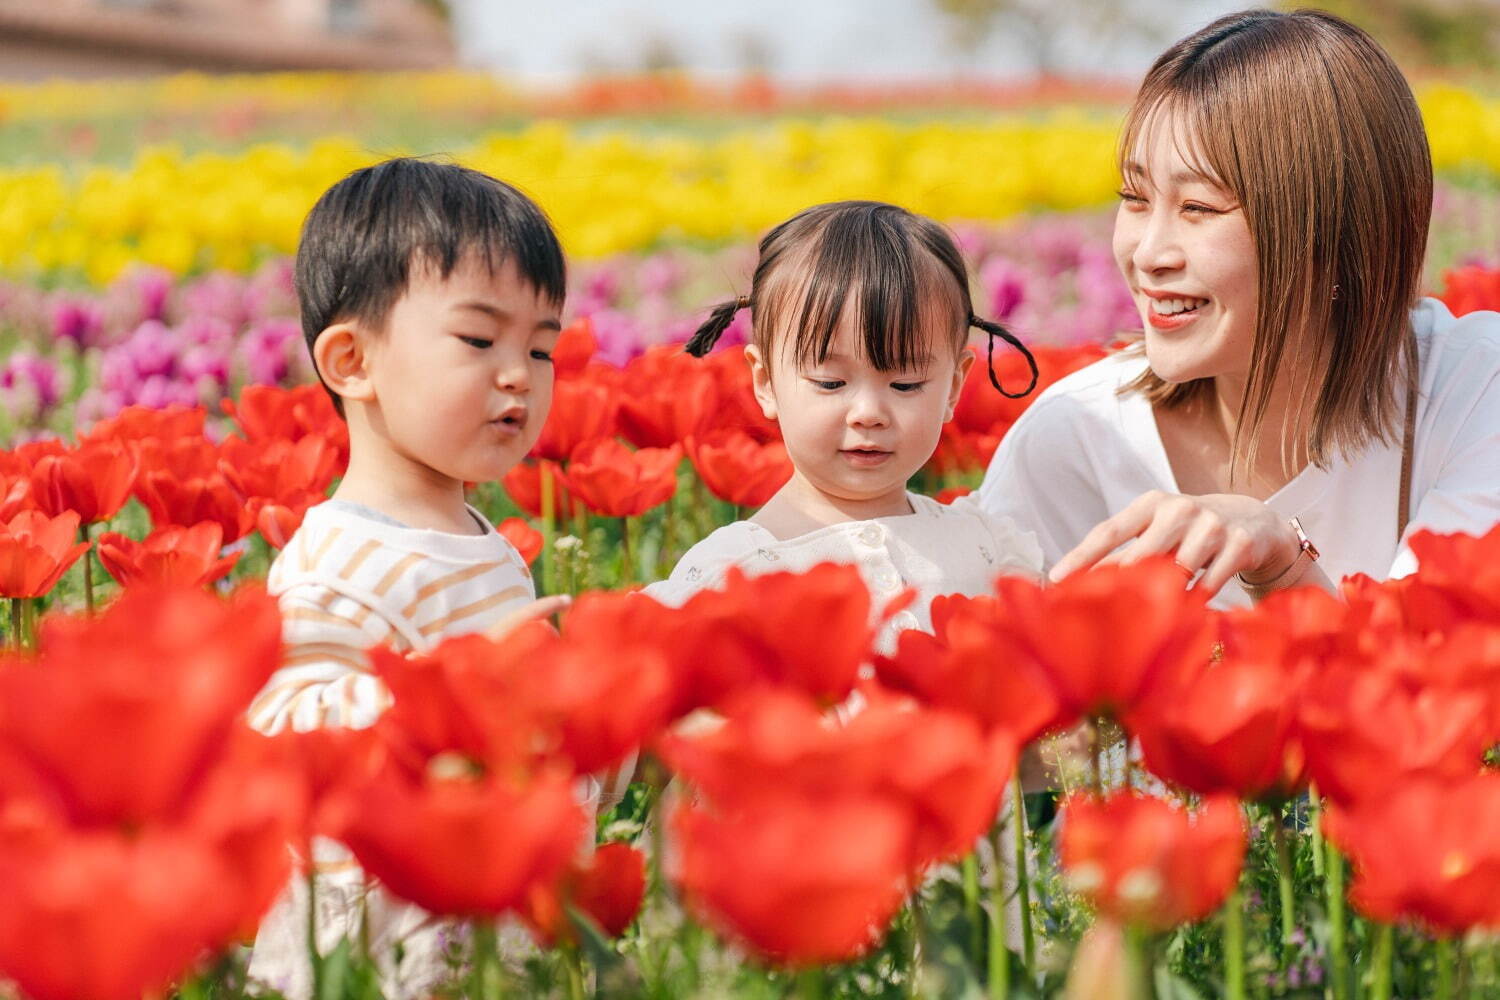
1131	198
1198	209
907	386
542	355
479	342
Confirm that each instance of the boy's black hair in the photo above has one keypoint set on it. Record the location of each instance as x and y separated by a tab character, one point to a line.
886	263
360	240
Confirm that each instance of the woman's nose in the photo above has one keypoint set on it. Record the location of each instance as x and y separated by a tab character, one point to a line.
1159	247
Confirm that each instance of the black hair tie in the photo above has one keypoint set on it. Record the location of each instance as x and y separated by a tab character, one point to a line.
703	340
996	330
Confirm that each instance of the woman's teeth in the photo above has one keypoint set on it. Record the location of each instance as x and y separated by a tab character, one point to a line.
1170	307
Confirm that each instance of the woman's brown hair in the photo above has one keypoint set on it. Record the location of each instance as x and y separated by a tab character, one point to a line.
1310	125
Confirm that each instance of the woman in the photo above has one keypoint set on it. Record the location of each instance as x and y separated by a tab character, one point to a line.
1277	188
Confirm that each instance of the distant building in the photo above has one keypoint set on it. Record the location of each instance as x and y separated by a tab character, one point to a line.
42	38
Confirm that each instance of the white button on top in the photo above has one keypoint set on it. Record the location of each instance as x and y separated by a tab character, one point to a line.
904	620
888	579
870	534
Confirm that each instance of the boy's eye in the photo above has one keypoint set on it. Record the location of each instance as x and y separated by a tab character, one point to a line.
542	355
829	384
479	342
907	386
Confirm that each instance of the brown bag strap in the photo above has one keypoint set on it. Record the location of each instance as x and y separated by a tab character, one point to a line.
1408	436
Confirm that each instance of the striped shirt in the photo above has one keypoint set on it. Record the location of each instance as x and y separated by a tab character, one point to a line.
351	578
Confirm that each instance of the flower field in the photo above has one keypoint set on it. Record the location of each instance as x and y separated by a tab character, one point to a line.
1311	804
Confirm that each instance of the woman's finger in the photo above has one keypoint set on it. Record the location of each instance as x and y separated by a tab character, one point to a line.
1234	556
1201	542
1108	535
1173	518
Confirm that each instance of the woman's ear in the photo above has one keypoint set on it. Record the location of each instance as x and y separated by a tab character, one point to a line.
956	387
760	381
343	362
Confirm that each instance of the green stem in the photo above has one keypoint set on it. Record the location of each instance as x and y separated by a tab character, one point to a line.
1445	966
484	971
28	621
88	570
627	551
314	956
1023	884
1098	757
1380	987
1283	881
999	959
549	531
914	951
970	867
1138	951
812	983
574	963
1337	952
1315	819
17	623
1234	946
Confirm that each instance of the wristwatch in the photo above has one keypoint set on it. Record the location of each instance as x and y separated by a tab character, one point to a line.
1305	547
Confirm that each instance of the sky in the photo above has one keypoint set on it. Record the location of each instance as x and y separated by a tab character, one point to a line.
813	40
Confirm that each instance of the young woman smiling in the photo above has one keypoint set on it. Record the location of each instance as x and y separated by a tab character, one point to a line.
1293	411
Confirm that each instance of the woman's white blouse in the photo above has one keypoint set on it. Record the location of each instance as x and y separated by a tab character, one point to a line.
937	549
1082	452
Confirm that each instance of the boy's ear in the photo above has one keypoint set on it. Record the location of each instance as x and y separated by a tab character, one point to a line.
339	352
760	381
960	374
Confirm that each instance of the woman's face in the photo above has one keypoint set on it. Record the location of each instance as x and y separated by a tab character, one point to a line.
1184	247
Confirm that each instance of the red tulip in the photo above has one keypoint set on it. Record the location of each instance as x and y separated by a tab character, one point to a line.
607	888
735	404
1465	567
36	550
524	485
269	413
1105	638
136	424
1143	861
158	682
93	480
617	482
666	397
15	494
801	881
1471	289
526	539
574	349
180	483
1425	849
583	410
739	469
1226	727
968	666
172	556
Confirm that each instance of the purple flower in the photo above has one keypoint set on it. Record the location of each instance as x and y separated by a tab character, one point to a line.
220	295
78	320
659	274
1005	284
268	348
29	387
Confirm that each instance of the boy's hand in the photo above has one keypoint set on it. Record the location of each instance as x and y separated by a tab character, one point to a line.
538	610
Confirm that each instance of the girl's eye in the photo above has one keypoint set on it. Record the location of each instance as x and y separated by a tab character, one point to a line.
478	342
542	355
907	386
829	384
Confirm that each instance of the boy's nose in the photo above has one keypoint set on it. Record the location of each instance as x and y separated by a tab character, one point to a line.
513	378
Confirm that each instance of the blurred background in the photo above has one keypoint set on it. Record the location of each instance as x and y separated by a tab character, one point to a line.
157	156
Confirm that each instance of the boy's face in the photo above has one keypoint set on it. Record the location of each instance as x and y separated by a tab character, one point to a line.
462	375
854	432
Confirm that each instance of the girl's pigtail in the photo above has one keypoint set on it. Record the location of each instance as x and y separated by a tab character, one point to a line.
713	328
996	330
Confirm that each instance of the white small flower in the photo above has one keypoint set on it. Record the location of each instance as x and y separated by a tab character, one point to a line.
568	543
1085	877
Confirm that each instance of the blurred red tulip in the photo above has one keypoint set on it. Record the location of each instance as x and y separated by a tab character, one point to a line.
574	349
666	397
607	888
801	881
15	494
1106	637
136	424
180	483
523	483
93	480
583	410
526	539
967	665
281	476
617	482
159	682
736	405
1425	849
36	550
739	469
1464	567
1143	861
1471	288
952	493
172	556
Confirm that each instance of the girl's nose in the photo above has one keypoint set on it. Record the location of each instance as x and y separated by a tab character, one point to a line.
867	409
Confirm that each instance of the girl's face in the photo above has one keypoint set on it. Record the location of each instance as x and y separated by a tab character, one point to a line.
854	433
1184	246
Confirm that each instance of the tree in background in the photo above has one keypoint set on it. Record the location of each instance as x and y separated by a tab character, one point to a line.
1447	33
1041	24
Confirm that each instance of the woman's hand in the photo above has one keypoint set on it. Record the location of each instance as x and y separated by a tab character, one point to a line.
1217	535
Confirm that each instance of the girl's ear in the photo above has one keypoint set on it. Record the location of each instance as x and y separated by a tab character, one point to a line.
760	381
956	387
342	360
